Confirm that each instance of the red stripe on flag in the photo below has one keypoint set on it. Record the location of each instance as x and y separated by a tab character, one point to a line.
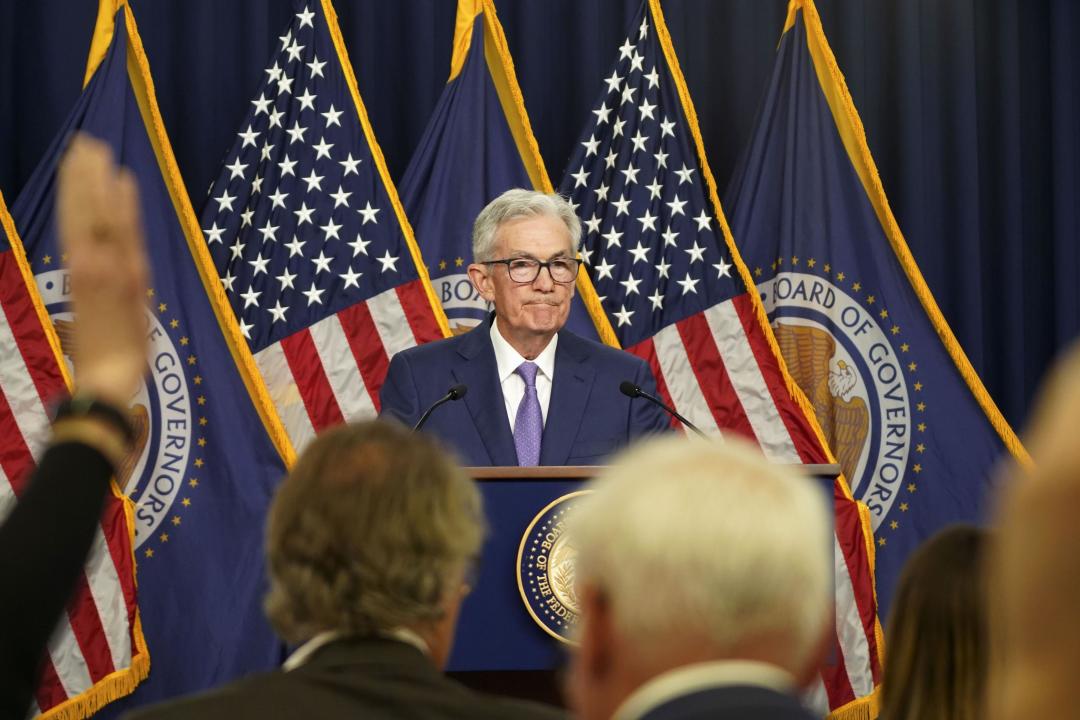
88	630
799	429
712	376
849	533
646	350
835	676
366	346
14	454
114	525
25	325
49	691
307	369
414	301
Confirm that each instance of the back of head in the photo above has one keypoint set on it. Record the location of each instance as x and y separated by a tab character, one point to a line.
371	531
707	549
937	641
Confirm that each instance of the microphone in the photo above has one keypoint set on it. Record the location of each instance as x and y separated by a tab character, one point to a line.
631	390
455	393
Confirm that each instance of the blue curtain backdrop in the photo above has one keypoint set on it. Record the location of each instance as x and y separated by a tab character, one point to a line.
972	109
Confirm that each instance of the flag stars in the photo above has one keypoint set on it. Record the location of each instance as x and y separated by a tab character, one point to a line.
646	109
316	67
684	174
225	200
303	214
662	268
636	61
213	235
305	18
601	192
368	213
294	51
613	237
332	116
330	229
262	105
284	84
630	173
322	150
723	269
349	165
591	146
268	232
602	114
237	169
667	127
603	270
661	159
639	141
676	206
696	253
657	300
286	279
613	82
277	199
351	278
592	225
245	217
359	246
581	177
609	160
237	249
296	132
622	206
655	190
688	284
313	295
628	94
249	137
652	77
640	253
307	100
626	50
388	262
251	297
341	197
703	221
286	166
322	263
648	221
314	182
623	316
277	313
631	284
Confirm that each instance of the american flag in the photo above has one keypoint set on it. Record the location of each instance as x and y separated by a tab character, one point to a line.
657	248
97	652
309	238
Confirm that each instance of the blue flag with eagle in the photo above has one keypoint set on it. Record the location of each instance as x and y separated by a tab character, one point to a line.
905	414
210	447
478	144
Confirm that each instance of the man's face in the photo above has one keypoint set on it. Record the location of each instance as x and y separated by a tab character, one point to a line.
538	308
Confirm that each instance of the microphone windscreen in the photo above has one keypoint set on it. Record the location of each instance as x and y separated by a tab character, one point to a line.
458	391
629	389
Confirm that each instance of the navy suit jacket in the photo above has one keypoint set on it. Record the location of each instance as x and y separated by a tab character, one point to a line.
588	418
731	702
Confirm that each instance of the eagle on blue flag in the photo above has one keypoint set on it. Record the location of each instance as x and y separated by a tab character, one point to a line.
906	415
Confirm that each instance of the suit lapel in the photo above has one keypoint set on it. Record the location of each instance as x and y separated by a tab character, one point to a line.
569	396
476	368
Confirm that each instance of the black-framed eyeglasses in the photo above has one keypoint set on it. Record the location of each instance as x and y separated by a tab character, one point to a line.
526	270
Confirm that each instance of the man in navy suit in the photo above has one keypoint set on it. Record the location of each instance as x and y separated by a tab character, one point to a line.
704	586
537	394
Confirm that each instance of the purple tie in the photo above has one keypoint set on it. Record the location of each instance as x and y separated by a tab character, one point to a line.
529	424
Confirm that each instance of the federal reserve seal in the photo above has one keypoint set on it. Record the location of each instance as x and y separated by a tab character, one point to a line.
165	413
545	569
855	367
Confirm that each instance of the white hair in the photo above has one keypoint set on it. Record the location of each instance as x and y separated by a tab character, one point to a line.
697	540
517	203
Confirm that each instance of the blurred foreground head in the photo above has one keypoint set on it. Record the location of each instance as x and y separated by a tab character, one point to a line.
372	531
937	647
1036	571
694	552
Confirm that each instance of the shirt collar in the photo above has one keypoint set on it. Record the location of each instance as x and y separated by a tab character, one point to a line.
507	358
701	676
303	653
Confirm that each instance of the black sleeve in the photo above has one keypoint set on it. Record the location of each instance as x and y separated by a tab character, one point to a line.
43	545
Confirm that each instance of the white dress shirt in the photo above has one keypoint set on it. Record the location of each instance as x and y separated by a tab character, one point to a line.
302	654
507	360
702	676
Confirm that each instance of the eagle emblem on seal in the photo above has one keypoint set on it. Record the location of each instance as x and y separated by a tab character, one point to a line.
843	416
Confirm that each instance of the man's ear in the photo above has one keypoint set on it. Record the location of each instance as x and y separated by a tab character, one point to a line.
480	275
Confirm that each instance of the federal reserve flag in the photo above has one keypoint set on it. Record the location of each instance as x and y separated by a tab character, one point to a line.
210	448
478	144
903	410
97	652
309	239
669	276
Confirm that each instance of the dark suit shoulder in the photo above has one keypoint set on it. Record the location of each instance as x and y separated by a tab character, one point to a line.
734	702
586	349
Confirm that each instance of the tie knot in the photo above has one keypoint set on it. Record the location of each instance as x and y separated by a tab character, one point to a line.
527	371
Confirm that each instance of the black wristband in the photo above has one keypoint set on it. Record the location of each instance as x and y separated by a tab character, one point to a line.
84	405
